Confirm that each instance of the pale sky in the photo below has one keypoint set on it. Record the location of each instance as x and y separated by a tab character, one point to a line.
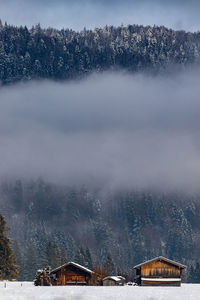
77	14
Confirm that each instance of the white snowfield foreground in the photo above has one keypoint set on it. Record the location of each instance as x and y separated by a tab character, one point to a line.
26	291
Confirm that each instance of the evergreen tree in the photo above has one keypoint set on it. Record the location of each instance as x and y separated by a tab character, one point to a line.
194	273
70	246
19	260
109	265
80	256
51	255
88	259
62	256
8	268
30	266
43	277
18	195
191	274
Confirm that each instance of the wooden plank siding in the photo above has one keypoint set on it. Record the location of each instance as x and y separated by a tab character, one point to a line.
160	283
70	275
160	269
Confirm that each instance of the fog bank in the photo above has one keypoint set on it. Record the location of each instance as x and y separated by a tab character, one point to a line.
111	129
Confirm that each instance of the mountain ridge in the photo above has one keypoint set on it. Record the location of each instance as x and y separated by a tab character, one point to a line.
37	53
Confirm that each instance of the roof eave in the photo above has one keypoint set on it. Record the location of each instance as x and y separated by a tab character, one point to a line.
73	264
161	258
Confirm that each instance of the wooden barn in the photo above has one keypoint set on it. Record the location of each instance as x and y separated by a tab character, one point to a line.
71	274
159	271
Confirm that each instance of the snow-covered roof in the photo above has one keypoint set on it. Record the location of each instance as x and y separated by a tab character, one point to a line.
163	259
71	263
121	277
161	279
114	278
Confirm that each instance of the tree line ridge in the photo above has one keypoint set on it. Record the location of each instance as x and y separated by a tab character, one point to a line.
66	54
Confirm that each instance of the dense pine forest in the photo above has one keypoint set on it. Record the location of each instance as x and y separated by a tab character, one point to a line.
65	54
51	224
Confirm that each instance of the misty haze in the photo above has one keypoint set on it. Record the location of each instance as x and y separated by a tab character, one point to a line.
114	129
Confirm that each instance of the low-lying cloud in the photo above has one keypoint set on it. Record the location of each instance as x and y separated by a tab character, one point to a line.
111	129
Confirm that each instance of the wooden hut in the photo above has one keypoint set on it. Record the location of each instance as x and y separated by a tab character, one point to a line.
159	271
71	274
113	280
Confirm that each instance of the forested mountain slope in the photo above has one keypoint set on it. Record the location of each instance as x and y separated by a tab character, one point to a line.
66	54
52	223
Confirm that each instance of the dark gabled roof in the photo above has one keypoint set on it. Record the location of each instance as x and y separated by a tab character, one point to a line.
71	263
161	258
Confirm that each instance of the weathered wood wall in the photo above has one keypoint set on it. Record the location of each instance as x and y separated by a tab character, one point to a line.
70	275
160	269
109	282
160	283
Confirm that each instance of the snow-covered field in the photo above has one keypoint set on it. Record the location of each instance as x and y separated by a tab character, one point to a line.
26	291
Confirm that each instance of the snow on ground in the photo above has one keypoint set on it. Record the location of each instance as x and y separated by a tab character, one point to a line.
26	291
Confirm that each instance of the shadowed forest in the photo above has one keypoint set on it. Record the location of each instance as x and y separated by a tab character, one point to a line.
53	224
